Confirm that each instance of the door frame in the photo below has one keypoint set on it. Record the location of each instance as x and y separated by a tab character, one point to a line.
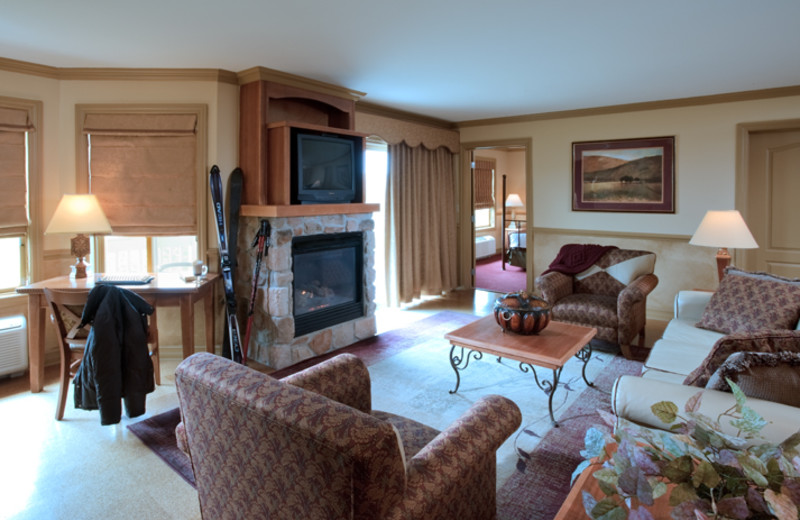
742	178
466	238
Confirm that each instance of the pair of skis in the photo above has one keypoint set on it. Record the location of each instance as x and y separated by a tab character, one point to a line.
232	346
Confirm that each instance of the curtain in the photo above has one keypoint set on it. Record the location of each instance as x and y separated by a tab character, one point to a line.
14	124
142	167
421	215
483	173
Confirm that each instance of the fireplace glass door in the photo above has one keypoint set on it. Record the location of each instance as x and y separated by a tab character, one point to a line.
328	280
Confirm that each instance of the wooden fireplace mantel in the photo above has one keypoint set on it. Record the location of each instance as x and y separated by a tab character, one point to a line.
306	210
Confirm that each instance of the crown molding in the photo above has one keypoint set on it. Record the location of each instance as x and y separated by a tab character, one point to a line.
118	74
731	97
265	74
393	113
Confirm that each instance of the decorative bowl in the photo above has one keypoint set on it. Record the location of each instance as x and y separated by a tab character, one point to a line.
521	313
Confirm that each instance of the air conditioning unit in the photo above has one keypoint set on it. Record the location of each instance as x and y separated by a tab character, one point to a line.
13	346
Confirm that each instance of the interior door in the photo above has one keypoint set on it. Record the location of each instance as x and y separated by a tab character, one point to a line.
773	211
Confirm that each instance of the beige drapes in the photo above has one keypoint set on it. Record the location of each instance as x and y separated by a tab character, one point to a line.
421	214
14	193
142	169
483	173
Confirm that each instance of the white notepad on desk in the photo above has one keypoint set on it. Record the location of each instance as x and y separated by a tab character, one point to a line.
126	279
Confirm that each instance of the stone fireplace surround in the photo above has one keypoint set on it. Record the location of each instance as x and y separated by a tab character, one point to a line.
272	339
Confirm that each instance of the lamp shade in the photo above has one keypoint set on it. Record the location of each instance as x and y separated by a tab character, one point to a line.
79	214
513	201
723	229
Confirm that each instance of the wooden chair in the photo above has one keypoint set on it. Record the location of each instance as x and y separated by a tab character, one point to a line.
66	308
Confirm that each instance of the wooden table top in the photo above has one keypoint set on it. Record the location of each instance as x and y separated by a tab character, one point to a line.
161	283
551	348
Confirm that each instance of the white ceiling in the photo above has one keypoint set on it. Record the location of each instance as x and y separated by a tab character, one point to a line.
454	60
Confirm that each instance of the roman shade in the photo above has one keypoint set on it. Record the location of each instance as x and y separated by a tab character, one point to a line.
14	124
483	173
142	167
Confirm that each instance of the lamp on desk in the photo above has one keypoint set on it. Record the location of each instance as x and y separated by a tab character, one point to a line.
513	201
723	229
80	215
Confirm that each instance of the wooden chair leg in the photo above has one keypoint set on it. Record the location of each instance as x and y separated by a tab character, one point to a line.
156	365
63	390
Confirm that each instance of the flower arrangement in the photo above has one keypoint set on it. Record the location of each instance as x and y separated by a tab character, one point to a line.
705	473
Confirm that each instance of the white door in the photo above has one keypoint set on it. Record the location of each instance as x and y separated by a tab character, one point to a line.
773	202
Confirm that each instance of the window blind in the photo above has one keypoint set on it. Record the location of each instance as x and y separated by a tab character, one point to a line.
142	169
14	124
483	173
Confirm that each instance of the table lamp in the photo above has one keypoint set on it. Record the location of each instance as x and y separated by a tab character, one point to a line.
723	229
81	215
513	201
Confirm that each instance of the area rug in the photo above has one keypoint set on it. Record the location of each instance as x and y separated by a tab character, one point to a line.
411	375
490	276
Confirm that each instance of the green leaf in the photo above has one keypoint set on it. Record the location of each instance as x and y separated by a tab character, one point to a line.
705	474
589	503
582	466
750	423
594	442
780	505
603	507
791	443
659	487
667	411
606	475
678	470
737	394
756	476
682	493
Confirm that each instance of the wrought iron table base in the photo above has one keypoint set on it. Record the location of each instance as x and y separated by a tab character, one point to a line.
461	362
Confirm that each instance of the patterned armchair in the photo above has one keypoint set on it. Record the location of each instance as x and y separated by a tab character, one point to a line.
310	446
609	295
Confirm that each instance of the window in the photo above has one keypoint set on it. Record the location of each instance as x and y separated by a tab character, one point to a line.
146	166
377	171
124	254
484	218
17	139
483	178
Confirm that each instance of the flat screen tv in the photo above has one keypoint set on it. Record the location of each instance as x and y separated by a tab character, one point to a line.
326	168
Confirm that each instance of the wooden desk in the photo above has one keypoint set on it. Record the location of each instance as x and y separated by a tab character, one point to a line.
166	289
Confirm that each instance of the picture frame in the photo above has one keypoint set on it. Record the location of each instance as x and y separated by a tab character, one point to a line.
635	175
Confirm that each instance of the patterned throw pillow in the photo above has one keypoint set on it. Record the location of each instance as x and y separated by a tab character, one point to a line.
752	301
763	341
773	376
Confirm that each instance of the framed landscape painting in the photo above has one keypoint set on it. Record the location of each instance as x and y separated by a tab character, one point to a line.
624	175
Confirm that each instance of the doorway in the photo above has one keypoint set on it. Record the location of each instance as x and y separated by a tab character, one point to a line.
492	270
767	188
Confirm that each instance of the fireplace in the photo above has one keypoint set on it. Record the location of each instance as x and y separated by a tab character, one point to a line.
328	282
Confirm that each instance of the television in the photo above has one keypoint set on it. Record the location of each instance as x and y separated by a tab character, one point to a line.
326	167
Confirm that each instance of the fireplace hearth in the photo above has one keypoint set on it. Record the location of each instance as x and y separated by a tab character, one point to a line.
328	280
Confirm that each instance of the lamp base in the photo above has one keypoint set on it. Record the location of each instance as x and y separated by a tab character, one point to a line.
80	247
79	269
723	261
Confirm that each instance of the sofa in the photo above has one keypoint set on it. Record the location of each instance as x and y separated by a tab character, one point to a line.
310	446
748	331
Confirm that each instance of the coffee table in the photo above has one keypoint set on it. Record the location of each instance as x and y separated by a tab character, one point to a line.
550	349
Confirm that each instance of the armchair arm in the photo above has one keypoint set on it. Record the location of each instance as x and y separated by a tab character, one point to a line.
343	378
689	305
632	397
554	286
631	307
454	464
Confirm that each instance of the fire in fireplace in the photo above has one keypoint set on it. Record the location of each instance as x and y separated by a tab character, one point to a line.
328	280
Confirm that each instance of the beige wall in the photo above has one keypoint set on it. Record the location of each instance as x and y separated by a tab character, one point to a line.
705	172
59	97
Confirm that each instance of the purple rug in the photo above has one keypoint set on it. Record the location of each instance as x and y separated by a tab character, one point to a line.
490	276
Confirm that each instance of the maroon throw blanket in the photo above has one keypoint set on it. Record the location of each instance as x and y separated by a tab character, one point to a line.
574	258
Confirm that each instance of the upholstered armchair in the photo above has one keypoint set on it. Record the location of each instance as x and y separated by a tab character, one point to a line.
310	446
608	292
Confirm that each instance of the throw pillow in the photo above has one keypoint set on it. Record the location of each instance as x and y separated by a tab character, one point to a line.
774	376
752	301
763	341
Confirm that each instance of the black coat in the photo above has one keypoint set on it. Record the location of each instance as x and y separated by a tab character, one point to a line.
116	363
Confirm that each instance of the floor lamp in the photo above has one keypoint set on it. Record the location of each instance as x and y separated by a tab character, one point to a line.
723	229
